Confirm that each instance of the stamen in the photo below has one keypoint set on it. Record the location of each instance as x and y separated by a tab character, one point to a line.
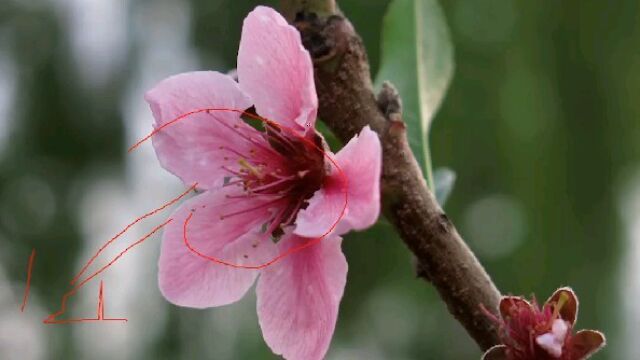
272	184
294	212
490	315
276	132
561	302
269	229
244	211
232	171
250	195
246	137
532	336
286	191
276	136
278	174
241	155
277	220
250	168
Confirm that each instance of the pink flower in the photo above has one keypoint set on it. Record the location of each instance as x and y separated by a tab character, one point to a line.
263	192
531	333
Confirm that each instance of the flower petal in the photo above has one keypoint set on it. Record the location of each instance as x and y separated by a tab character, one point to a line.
553	342
569	309
275	70
360	164
586	343
497	352
195	147
298	297
322	216
187	279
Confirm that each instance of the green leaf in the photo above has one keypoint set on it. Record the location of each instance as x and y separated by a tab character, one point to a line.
444	179
334	144
417	57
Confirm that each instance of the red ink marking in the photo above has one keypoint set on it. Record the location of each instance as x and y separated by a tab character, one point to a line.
51	319
101	302
28	286
155	211
99	315
292	132
184	116
290	251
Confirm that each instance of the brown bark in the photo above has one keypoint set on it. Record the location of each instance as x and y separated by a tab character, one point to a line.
346	104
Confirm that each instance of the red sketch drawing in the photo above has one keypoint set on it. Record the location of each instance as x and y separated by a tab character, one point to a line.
76	284
26	289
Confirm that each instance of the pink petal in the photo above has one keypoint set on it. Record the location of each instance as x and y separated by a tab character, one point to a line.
187	279
322	216
553	342
195	147
275	70
360	161
298	298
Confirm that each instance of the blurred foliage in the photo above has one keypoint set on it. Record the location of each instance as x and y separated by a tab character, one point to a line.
417	57
540	125
444	180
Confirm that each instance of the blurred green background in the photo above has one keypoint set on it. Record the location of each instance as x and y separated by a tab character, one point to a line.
541	124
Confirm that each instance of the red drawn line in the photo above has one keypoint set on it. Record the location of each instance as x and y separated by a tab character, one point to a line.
51	319
100	315
26	290
281	127
290	251
186	115
173	201
69	321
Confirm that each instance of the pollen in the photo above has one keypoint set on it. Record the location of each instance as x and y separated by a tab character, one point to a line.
255	171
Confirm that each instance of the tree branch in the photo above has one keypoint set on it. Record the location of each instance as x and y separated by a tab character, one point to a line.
346	104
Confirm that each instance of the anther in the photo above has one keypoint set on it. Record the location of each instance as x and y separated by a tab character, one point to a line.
250	168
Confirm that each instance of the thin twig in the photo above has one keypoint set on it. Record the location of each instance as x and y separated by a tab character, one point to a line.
347	103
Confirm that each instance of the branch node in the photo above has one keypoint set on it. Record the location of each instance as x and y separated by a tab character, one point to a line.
420	268
389	101
292	8
323	37
397	127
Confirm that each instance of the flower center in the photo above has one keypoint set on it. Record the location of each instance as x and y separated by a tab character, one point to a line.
285	170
